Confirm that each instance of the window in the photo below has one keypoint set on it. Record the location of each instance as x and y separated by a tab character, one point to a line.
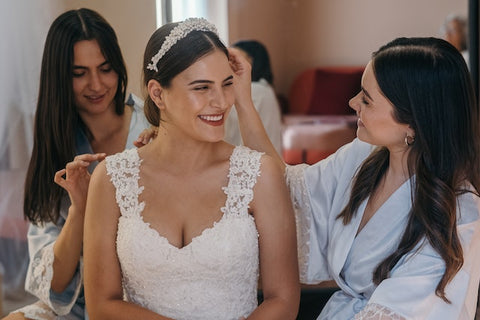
215	11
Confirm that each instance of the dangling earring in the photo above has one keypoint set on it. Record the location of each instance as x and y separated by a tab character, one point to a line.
409	140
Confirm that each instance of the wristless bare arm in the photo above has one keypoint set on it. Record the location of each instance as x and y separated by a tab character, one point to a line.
67	250
69	244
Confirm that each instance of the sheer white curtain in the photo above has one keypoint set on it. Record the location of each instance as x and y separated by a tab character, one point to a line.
23	28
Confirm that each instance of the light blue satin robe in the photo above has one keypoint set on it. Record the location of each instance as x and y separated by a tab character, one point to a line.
330	250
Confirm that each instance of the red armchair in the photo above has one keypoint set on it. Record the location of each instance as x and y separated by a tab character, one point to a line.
319	119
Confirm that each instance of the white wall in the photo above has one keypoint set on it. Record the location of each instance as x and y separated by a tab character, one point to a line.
306	33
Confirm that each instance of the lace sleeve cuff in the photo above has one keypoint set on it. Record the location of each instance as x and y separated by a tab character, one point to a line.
301	204
39	279
38	310
374	311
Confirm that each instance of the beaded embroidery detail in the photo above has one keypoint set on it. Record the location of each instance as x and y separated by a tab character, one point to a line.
178	33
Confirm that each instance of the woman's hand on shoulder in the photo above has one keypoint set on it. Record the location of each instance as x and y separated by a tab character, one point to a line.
146	136
74	178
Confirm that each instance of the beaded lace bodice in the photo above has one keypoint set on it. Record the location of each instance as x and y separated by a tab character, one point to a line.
213	277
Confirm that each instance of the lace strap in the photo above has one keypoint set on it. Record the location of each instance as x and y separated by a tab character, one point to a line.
243	173
123	169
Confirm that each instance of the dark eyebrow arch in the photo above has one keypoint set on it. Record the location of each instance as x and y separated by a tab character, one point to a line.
209	81
200	81
82	67
367	94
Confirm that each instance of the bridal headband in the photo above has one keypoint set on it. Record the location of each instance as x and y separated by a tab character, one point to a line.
178	33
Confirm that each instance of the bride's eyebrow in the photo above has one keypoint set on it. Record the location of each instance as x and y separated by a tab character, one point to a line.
209	81
200	81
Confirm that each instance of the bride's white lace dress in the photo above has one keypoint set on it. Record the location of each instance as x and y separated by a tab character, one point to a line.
213	277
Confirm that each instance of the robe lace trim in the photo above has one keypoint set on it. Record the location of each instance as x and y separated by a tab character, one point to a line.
37	311
42	274
374	311
40	286
301	204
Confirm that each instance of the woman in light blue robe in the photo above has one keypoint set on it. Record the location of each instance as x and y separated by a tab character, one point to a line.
393	216
82	108
70	303
330	250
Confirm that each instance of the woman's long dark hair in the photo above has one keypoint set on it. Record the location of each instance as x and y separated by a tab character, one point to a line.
428	83
56	118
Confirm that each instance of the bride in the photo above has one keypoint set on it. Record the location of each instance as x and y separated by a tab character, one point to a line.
183	227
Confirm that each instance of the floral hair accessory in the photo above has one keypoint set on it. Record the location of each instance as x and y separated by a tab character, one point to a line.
178	33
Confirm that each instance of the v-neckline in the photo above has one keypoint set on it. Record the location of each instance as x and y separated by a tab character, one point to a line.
204	231
346	236
379	210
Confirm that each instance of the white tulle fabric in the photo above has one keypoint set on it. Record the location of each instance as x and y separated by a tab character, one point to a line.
213	277
374	311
